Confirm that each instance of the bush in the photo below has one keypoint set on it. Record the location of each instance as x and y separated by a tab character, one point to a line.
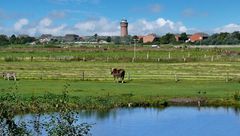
236	96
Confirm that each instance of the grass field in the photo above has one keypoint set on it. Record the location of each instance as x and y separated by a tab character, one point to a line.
121	54
162	88
156	75
100	71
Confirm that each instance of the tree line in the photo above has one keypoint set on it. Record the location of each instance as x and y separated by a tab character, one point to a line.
5	40
169	38
222	39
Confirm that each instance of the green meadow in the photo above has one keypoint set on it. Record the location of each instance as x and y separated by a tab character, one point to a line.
50	75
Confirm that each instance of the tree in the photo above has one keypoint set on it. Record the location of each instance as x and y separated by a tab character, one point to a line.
222	38
117	40
135	37
126	40
140	41
183	37
168	39
24	39
109	39
4	40
95	37
13	39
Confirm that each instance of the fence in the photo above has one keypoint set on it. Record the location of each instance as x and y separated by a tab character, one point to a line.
89	76
148	58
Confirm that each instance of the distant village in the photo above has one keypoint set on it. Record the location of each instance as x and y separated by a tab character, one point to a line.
126	39
148	39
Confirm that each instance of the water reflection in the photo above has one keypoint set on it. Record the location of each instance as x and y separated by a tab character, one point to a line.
169	121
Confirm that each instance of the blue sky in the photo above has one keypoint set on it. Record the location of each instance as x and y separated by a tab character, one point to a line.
86	17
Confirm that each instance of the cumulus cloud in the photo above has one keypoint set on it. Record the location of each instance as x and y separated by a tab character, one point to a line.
57	30
20	24
104	26
159	26
101	26
45	22
228	28
44	26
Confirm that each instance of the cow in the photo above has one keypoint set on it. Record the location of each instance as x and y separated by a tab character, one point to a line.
118	74
9	75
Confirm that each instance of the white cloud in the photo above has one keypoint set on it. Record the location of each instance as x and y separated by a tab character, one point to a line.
45	22
20	24
104	26
58	30
159	26
44	26
101	26
228	28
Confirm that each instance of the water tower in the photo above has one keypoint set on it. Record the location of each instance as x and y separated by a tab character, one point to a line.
124	28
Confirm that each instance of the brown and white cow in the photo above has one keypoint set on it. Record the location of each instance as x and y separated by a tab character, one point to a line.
118	74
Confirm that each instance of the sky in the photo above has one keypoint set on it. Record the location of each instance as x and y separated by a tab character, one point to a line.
87	17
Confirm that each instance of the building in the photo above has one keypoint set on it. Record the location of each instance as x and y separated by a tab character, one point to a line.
149	38
177	37
124	28
198	37
71	38
45	38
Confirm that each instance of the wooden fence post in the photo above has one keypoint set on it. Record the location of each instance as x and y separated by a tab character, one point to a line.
41	76
129	76
176	78
184	59
227	78
83	75
205	56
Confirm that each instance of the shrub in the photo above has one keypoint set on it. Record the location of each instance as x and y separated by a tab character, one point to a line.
236	96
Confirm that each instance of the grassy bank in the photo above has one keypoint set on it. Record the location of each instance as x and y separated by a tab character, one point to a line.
48	95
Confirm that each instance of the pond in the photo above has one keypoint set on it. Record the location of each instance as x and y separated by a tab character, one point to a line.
170	121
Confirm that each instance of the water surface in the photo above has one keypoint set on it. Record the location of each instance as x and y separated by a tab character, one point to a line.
171	121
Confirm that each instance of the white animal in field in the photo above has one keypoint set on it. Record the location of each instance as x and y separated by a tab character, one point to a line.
9	75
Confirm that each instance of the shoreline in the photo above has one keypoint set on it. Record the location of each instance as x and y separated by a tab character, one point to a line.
36	105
